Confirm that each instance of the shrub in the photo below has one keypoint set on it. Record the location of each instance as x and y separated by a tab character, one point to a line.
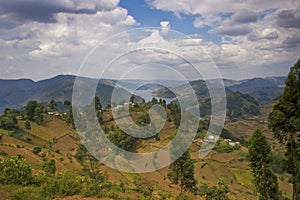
144	186
14	171
64	185
49	167
36	150
27	124
214	193
224	148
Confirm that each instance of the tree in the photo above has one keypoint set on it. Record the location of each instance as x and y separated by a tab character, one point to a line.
182	172
67	103
284	121
132	98
53	104
122	140
30	109
260	157
8	122
98	105
27	124
38	117
69	117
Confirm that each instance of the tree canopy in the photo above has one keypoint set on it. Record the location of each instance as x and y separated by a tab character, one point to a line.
284	121
260	157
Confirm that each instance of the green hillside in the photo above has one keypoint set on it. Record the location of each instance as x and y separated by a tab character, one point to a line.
77	173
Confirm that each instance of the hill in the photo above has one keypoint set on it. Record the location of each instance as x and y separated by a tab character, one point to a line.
239	106
262	89
16	93
60	142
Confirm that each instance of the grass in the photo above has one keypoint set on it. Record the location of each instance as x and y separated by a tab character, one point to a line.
242	155
244	177
25	193
54	128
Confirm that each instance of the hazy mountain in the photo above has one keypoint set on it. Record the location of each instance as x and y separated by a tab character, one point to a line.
15	93
243	97
262	89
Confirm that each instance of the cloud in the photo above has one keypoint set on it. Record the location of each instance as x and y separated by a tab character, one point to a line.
17	12
232	30
211	20
56	41
289	18
39	39
166	26
244	16
266	33
292	42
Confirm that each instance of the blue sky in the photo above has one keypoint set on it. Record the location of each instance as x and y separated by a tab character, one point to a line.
150	17
40	39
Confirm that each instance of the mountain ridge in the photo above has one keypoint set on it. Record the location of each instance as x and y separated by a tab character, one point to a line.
14	93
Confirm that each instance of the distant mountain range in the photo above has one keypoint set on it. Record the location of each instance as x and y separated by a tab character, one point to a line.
262	89
243	97
15	93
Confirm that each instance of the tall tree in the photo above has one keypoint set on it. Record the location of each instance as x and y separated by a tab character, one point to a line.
182	172
284	121
260	157
30	109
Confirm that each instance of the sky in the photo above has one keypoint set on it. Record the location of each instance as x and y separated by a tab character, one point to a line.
40	39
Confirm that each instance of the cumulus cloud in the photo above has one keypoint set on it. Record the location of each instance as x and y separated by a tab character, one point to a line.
165	25
53	37
266	33
257	33
13	13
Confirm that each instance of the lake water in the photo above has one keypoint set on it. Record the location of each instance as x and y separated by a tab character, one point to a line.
147	95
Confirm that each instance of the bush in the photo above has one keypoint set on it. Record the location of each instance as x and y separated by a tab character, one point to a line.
224	148
3	153
64	185
49	167
144	186
36	150
14	171
27	124
214	193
